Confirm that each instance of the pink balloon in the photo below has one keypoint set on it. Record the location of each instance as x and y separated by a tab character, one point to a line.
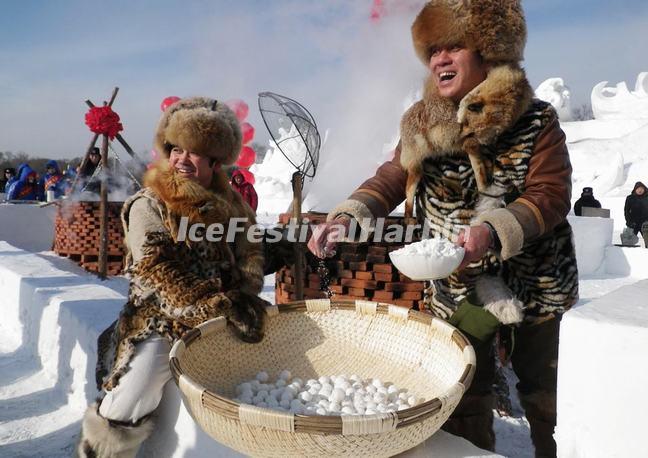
246	158
248	132
249	176
239	107
168	101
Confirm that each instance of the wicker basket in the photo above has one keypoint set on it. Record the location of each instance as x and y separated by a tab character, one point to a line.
413	350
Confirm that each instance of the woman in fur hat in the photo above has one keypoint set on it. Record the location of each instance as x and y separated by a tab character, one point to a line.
175	284
478	150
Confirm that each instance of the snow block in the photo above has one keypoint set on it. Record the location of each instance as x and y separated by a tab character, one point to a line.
603	375
28	226
627	261
592	236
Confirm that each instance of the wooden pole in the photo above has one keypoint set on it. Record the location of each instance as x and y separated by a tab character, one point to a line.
298	268
103	211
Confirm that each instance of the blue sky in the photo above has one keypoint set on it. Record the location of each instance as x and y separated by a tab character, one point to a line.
352	75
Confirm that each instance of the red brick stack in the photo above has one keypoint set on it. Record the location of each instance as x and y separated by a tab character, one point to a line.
77	230
358	271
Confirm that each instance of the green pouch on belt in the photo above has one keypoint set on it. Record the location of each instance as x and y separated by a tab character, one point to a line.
474	320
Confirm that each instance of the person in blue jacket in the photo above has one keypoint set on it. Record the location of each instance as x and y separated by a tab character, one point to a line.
26	186
52	181
15	177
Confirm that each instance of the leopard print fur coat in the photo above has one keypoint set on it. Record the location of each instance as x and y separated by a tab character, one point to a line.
177	285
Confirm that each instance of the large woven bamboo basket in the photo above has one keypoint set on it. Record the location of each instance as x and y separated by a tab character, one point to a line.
413	350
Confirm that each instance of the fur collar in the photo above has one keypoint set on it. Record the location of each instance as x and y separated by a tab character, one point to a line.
436	126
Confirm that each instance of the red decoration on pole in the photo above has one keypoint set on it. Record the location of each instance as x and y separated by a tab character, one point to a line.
103	121
248	132
168	101
246	158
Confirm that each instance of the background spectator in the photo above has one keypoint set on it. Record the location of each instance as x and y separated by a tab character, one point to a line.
85	174
245	189
7	176
636	210
52	181
26	186
586	200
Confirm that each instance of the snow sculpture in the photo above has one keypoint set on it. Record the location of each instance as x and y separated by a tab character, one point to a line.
558	95
619	102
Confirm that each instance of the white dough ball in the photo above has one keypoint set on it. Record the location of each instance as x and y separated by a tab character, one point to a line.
321	411
370	412
377	383
347	410
334	407
392	389
403	396
372	389
337	395
324	380
305	396
297	382
311	382
380	398
412	401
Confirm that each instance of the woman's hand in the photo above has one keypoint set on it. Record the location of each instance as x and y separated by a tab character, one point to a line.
475	240
326	236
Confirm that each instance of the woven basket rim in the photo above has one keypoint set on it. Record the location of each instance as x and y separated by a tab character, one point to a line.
326	424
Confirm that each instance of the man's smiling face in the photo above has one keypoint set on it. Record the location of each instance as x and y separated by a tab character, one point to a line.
456	71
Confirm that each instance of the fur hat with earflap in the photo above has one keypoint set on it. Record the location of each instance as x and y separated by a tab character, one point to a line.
494	28
200	125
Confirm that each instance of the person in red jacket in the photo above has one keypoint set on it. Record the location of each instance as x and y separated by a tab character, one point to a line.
245	188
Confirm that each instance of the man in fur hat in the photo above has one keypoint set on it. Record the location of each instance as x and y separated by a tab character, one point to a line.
175	284
478	150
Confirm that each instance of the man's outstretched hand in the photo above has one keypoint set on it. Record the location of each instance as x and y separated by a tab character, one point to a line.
326	236
475	240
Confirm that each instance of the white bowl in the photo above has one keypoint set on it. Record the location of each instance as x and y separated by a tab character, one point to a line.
419	266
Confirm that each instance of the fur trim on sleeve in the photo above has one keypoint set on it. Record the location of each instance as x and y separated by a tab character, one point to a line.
508	229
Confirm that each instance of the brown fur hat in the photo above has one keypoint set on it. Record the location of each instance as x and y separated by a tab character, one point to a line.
494	28
200	125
